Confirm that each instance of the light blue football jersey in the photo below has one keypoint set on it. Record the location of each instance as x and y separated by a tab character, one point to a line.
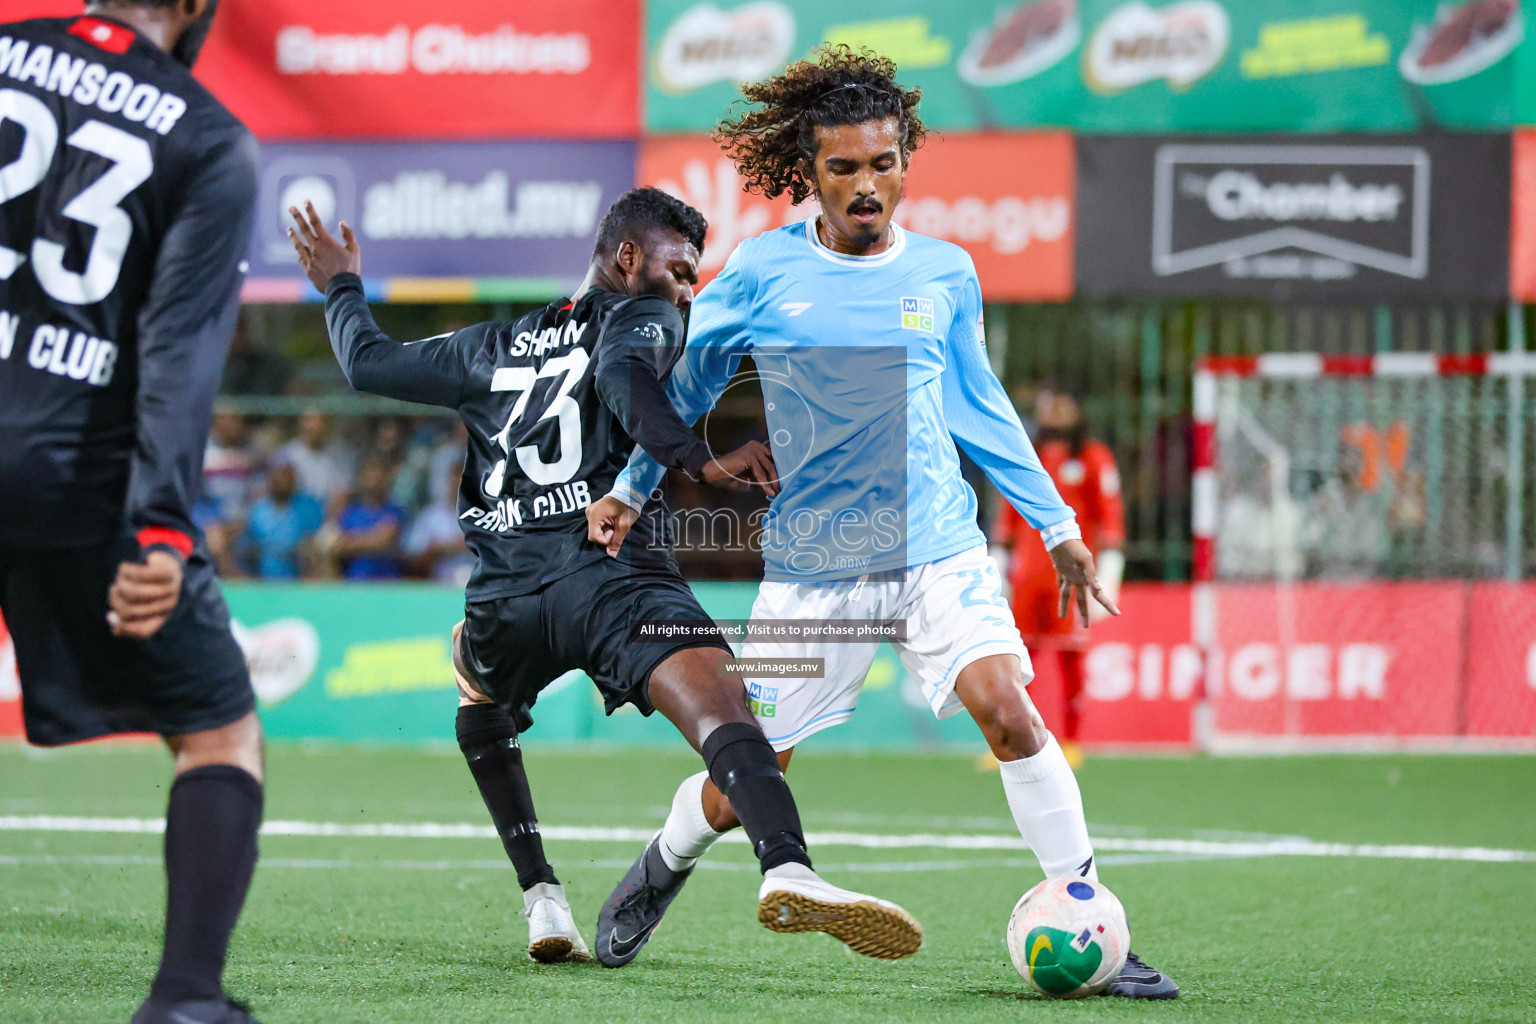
872	368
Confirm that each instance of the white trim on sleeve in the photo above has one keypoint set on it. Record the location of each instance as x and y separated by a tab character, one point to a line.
1058	534
629	496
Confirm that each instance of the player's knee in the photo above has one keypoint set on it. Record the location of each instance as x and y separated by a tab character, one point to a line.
468	695
240	744
693	692
469	690
1006	717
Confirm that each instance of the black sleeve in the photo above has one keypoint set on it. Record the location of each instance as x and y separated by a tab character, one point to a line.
184	330
430	372
641	342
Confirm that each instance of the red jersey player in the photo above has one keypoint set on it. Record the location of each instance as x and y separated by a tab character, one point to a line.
1085	474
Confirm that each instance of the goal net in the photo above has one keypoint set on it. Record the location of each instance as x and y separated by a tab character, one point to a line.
1363	543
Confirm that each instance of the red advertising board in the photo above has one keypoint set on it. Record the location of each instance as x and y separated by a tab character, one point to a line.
1317	660
1017	224
1380	661
1501	660
1522	226
1142	672
10	686
394	69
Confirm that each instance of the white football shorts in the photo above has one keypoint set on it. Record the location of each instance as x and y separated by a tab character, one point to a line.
955	614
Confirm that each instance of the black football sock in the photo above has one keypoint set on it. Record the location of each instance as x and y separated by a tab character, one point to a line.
489	741
744	768
210	855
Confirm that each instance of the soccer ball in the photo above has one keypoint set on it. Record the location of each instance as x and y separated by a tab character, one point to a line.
1068	937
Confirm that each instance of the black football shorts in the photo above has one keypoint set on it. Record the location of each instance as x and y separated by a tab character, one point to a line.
516	646
78	681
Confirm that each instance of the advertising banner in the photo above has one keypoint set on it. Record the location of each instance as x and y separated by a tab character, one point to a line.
355	663
393	69
1114	65
519	211
1522	212
1017	226
10	686
1280	216
1142	672
451	69
1322	660
1501	660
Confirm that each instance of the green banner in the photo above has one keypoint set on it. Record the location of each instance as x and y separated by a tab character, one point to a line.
1116	66
356	663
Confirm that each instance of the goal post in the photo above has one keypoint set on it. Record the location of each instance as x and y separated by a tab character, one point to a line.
1362	542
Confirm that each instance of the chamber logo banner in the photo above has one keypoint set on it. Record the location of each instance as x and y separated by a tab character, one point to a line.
1339	216
1290	212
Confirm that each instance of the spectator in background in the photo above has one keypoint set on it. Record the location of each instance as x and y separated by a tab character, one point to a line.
366	535
253	370
1085	473
1259	535
434	545
324	465
280	535
229	477
448	456
416	482
1346	526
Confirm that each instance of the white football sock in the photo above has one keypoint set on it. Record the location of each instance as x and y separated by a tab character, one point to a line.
793	870
1048	808
687	835
544	891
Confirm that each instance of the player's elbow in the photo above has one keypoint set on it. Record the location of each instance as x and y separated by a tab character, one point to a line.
363	373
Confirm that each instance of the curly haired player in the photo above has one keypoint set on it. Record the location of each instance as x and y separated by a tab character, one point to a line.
873	340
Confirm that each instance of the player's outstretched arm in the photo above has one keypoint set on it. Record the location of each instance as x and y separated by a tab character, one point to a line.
717	339
985	423
639	345
430	372
750	467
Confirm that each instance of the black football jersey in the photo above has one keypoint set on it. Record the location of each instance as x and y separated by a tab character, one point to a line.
126	201
555	403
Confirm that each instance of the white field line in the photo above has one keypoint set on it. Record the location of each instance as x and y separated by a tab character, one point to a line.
865	867
1285	847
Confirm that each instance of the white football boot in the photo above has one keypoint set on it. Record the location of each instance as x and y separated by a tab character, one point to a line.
552	934
795	899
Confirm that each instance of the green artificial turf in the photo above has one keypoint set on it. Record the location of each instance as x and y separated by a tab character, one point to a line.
383	930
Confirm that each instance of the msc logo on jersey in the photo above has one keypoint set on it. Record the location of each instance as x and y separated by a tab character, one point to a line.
917	314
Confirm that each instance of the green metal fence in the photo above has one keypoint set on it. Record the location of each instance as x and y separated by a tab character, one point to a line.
1132	361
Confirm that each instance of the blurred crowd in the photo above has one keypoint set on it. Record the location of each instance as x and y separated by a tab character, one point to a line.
287	498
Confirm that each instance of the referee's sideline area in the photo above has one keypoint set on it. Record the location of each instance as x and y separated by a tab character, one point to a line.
1177	848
